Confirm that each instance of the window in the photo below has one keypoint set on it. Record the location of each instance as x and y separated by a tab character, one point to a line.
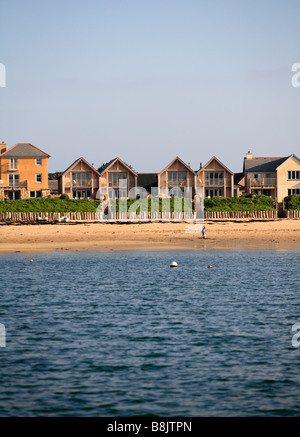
38	178
13	180
117	179
13	164
81	179
176	192
81	194
14	195
293	191
34	194
177	178
38	161
214	193
213	179
293	175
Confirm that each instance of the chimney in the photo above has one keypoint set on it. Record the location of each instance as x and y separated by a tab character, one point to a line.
249	155
189	164
3	147
200	165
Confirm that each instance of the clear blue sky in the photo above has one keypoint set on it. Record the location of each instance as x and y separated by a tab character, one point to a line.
147	80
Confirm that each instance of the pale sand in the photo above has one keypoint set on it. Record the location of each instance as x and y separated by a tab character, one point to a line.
280	234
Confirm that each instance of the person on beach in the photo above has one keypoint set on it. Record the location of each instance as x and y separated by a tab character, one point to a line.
203	232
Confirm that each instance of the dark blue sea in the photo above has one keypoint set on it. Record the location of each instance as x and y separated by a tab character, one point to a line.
123	334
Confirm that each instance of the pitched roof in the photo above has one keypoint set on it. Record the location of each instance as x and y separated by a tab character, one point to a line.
182	162
108	164
76	162
105	166
289	157
216	159
24	150
263	164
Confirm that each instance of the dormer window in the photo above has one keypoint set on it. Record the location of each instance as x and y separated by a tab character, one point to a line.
13	164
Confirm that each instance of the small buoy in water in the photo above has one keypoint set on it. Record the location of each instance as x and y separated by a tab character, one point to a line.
174	264
31	260
209	267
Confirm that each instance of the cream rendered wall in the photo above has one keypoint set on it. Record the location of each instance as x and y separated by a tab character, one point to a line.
283	184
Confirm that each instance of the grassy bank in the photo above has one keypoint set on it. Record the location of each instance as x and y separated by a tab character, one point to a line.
49	205
246	203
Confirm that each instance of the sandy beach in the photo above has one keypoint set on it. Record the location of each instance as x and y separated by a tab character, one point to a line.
253	235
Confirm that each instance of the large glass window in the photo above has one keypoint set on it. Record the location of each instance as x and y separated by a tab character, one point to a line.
177	178
116	179
81	179
214	178
214	193
81	194
117	194
14	195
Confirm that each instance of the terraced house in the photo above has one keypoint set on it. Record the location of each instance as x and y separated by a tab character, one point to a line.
79	181
23	172
276	177
117	179
176	179
216	179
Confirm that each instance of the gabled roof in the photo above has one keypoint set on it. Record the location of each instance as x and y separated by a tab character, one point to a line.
289	157
263	164
216	159
24	150
182	162
110	163
75	163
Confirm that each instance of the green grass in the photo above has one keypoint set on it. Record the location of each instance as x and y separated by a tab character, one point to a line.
159	204
245	203
292	203
49	205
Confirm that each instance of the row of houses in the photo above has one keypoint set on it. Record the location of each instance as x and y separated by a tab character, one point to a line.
24	174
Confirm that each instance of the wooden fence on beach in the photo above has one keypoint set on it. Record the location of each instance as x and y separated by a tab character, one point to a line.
122	217
292	214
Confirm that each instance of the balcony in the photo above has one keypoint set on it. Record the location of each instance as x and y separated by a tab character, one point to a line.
217	183
84	183
261	182
15	185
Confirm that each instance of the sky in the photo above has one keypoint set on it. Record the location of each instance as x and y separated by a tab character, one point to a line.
149	80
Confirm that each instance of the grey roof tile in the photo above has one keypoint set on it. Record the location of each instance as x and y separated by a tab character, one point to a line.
265	165
24	150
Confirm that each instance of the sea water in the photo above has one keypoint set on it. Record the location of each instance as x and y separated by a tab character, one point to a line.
123	334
